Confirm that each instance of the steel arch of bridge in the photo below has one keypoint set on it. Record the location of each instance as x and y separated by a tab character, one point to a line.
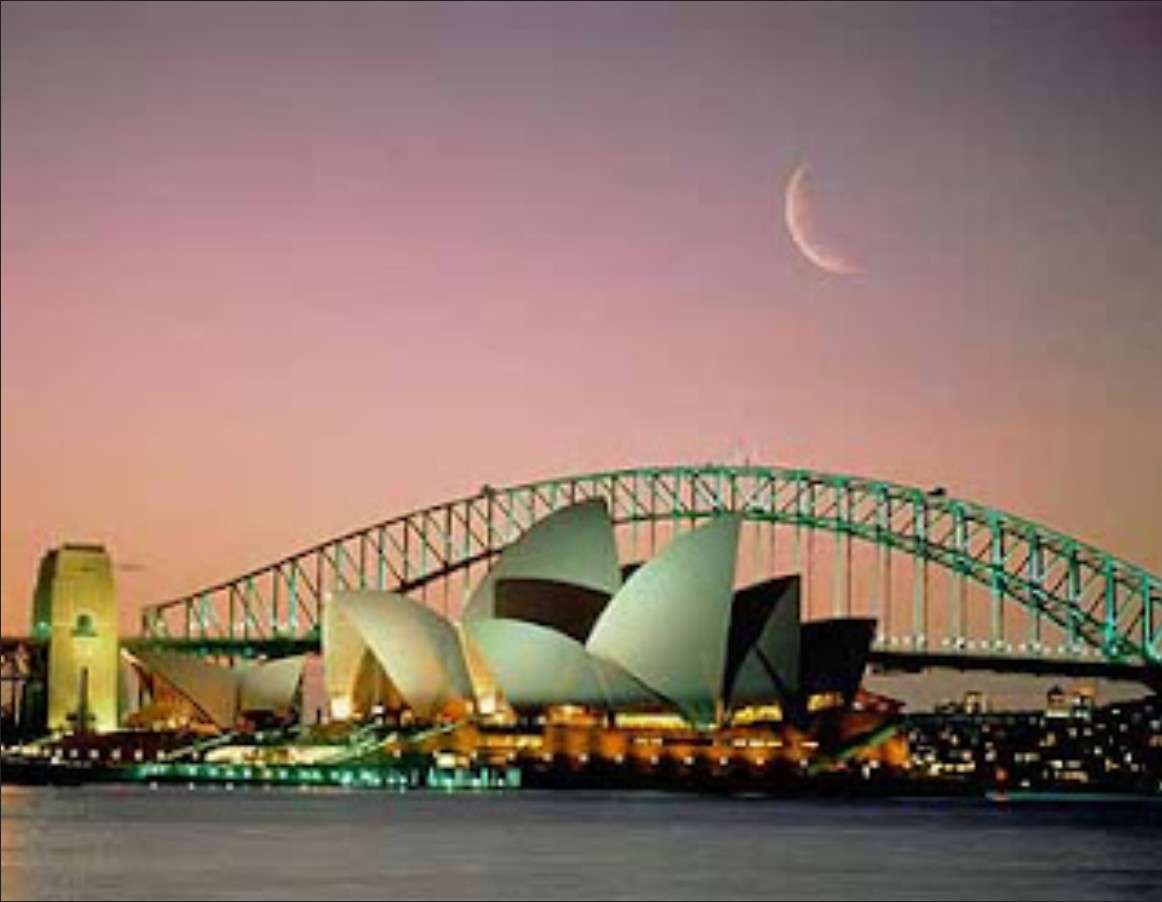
1097	605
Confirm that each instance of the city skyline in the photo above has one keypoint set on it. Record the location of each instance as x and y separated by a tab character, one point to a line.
274	274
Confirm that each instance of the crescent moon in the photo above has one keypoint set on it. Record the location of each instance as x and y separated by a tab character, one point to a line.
797	210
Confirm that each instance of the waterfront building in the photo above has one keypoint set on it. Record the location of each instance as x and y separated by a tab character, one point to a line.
1065	746
75	608
559	624
567	661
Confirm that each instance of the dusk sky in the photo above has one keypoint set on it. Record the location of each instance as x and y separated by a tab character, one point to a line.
271	273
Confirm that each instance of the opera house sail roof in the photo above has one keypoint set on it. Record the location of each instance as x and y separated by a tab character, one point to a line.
669	624
417	649
223	694
763	651
536	667
552	624
561	573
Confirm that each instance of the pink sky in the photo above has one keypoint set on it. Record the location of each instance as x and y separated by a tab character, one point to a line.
272	273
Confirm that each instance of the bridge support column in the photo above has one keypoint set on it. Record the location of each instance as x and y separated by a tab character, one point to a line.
809	572
293	599
997	585
840	601
773	526
1036	567
841	590
920	577
1111	611
883	607
882	596
276	626
957	615
381	557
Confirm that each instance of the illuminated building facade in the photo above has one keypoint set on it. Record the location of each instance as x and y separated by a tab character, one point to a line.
75	607
1071	744
558	625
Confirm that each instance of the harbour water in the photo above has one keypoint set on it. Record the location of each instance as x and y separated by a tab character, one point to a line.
133	842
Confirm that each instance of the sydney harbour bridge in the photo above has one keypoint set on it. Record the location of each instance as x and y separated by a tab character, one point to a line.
951	583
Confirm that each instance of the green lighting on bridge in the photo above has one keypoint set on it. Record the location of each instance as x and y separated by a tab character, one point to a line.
1101	607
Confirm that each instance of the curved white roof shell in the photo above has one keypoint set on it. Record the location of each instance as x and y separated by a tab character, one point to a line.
343	654
270	685
668	625
572	545
211	687
535	666
222	693
416	647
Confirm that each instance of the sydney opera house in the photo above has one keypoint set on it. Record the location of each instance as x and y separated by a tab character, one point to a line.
564	652
559	622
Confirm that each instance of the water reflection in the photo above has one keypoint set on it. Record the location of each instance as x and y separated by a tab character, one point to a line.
133	843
